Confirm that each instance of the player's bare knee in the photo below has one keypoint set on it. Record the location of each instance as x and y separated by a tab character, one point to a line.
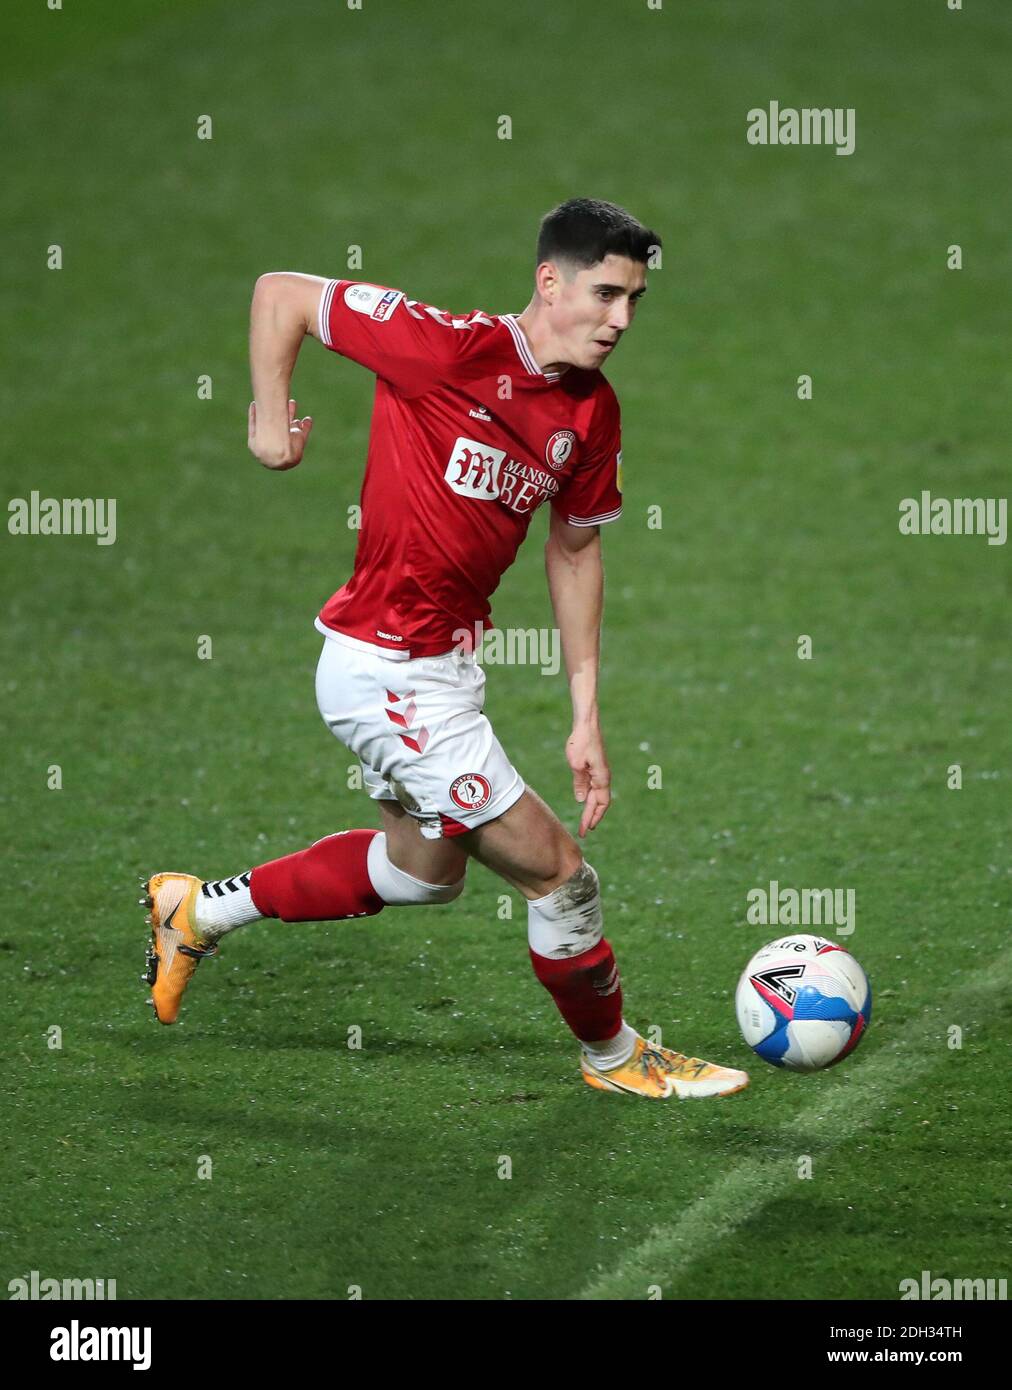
558	856
567	864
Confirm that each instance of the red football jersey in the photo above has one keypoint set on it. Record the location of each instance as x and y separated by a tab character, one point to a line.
468	437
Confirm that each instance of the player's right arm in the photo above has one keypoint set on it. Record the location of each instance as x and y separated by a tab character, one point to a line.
282	312
412	345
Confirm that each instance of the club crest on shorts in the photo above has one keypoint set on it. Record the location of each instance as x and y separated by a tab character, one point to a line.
471	792
558	448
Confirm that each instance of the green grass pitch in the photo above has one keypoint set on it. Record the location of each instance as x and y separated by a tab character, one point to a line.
380	1168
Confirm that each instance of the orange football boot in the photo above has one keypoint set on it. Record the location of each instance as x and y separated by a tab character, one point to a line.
176	949
658	1072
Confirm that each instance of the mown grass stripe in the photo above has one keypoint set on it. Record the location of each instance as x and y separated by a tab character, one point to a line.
668	1251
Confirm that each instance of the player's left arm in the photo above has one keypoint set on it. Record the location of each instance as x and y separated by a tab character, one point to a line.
591	497
575	573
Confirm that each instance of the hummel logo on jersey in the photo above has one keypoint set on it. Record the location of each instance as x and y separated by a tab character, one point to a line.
480	414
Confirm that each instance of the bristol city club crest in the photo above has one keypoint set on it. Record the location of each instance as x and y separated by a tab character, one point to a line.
558	448
471	792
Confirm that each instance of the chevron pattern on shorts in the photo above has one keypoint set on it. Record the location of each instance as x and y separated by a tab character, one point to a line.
406	718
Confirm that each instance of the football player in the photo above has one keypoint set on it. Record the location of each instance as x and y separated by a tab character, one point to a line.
478	419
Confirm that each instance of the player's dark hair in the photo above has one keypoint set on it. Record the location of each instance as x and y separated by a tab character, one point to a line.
583	231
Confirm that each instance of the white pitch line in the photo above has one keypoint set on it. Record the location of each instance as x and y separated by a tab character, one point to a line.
669	1250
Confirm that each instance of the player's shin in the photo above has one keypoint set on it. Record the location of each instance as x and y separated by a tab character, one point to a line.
348	874
327	882
575	963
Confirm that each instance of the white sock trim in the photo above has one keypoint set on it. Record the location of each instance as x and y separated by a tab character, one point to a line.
224	904
400	889
614	1051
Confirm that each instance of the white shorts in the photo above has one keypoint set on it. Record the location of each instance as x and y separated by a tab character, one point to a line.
418	730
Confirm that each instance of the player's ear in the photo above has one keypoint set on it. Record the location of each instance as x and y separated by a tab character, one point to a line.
546	280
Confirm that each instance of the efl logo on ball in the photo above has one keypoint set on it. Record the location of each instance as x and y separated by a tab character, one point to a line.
471	792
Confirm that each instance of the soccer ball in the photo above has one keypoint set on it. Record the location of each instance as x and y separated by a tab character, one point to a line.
803	1003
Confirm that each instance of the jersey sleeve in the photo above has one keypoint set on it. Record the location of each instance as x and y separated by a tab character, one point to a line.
593	494
411	345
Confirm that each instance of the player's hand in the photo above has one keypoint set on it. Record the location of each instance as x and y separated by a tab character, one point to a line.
591	774
279	451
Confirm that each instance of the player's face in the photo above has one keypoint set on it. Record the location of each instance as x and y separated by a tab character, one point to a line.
596	307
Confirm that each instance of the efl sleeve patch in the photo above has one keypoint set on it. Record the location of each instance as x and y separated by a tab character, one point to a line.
374	300
409	344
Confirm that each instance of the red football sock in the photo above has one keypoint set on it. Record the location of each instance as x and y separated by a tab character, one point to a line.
586	991
324	883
